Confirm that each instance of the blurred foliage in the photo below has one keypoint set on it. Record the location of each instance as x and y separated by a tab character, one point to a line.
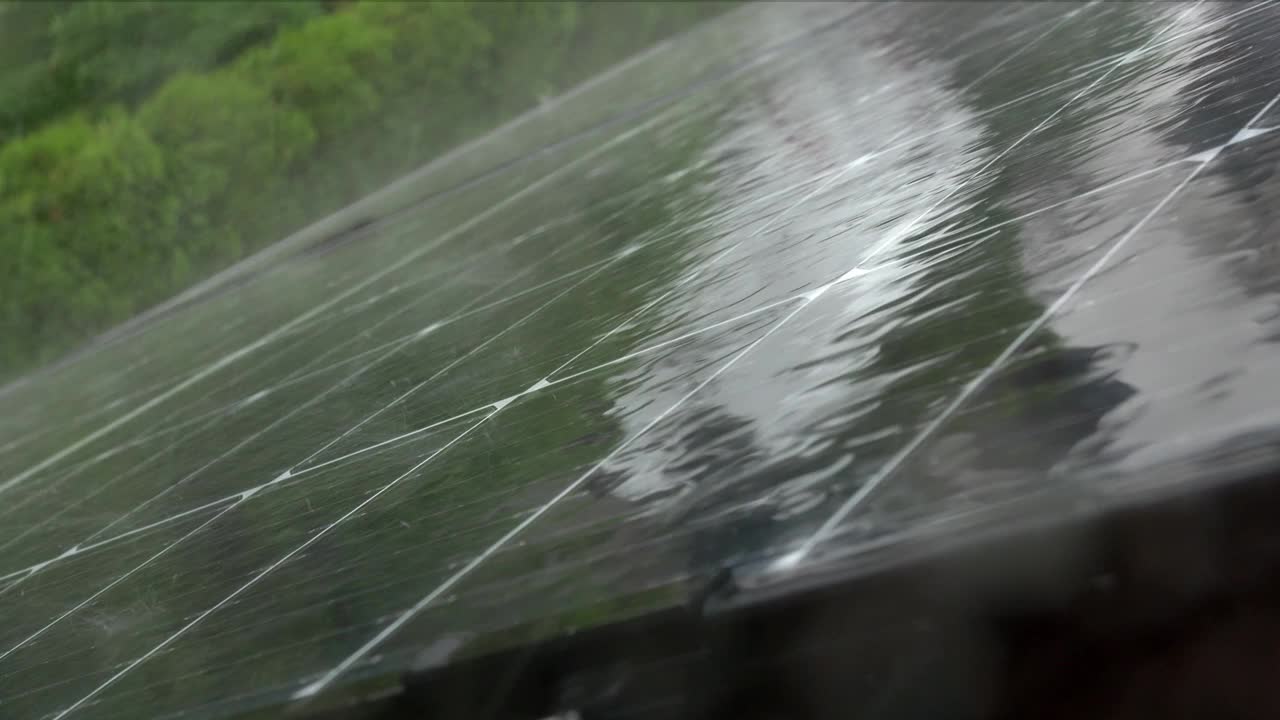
78	196
162	38
326	69
61	57
30	89
149	144
421	526
222	137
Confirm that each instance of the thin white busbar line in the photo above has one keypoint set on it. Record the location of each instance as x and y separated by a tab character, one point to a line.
620	137
576	374
106	588
168	430
307	316
266	571
451	275
245	442
896	461
280	331
456	362
435	164
90	545
308	372
285	475
547	382
895	238
823	184
140	530
304	373
83	498
197	376
236	355
487	406
312	401
762	57
1067	16
365	304
969	240
237	499
839	171
297	328
963	243
315	687
241	404
309	469
764	227
979	381
533	518
631	355
544	383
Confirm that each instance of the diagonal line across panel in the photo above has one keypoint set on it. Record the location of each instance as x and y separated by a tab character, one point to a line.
958	245
246	495
895	462
831	179
317	686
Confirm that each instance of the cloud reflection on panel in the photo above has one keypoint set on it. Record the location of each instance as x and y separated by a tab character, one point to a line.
811	172
1196	295
968	195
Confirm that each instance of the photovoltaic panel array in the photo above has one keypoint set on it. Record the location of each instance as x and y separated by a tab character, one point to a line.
806	282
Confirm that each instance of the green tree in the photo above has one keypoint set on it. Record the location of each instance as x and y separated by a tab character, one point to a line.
82	219
324	69
433	45
219	131
164	38
31	88
531	42
235	106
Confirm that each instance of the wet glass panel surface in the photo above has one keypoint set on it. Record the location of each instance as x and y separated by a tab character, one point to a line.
813	281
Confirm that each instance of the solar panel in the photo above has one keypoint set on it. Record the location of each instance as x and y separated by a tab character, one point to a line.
801	289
